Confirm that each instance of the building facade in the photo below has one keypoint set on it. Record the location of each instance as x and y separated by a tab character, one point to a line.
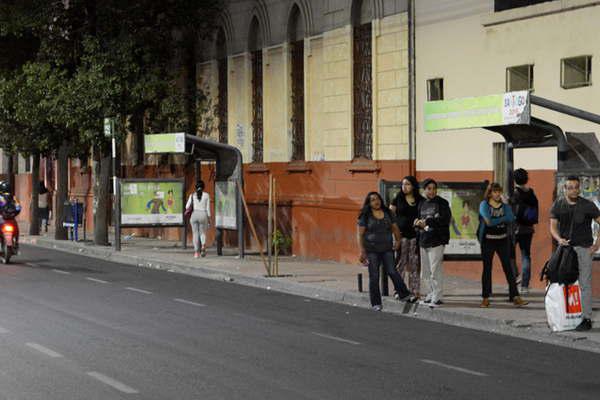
318	94
471	48
315	93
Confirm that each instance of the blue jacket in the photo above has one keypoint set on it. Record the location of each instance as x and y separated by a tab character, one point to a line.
486	219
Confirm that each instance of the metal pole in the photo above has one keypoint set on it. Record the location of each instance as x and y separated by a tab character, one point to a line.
562	108
411	84
118	218
270	226
116	196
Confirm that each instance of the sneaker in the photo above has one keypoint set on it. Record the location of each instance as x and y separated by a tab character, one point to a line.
434	304
585	325
524	290
203	253
485	303
196	255
409	298
519	302
377	308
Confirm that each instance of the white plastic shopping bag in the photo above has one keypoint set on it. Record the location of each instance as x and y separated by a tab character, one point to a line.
563	306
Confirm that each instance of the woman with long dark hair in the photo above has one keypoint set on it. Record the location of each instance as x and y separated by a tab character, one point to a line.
406	207
495	217
199	201
376	226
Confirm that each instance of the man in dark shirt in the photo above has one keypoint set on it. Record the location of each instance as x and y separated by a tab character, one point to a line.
434	234
571	225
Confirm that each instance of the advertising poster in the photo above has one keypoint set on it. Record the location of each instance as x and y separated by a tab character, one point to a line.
225	205
590	189
464	199
152	202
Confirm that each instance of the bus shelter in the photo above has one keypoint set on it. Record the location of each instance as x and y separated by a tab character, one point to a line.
160	202
509	114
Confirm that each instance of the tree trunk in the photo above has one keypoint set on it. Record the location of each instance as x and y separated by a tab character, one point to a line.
190	83
34	226
102	161
62	191
11	171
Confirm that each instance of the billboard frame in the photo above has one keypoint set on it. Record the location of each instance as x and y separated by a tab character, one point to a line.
143	180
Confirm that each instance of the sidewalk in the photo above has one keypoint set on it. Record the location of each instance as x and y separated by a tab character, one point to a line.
338	283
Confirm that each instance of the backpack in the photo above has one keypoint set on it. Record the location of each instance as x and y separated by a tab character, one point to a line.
528	216
562	267
525	214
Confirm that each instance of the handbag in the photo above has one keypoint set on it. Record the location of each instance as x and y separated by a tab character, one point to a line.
187	214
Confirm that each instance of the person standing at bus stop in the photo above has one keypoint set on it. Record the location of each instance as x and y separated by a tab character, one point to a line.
525	207
406	207
433	225
200	218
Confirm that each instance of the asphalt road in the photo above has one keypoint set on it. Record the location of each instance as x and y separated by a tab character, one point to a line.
73	327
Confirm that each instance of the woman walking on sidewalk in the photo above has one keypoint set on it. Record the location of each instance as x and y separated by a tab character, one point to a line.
200	218
494	220
406	207
375	229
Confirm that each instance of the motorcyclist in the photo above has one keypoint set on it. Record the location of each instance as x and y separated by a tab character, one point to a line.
9	207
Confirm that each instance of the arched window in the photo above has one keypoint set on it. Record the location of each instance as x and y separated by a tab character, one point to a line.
255	45
363	82
222	68
296	38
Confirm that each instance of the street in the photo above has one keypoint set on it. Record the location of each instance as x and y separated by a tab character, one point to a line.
73	327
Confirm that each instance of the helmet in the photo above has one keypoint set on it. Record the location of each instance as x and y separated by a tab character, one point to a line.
5	187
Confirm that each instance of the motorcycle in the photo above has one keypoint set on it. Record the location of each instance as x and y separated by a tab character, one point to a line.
9	240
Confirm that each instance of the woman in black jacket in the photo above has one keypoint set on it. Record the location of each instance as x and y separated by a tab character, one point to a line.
406	207
376	226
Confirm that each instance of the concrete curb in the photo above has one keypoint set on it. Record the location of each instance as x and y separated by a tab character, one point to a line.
441	315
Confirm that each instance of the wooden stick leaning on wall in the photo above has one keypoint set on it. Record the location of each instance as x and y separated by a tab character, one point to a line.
270	227
275	227
251	223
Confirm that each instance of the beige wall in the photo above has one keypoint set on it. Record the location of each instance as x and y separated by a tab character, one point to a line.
472	59
328	96
314	113
336	80
239	111
276	123
390	86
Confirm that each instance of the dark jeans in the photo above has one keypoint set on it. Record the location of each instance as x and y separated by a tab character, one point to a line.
502	248
387	259
524	242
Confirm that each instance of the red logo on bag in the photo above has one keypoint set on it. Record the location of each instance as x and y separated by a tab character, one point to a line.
573	297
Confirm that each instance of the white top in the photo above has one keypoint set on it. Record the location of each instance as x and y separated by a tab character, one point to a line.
43	200
199	205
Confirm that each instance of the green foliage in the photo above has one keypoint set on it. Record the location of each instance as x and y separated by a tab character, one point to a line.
283	242
94	59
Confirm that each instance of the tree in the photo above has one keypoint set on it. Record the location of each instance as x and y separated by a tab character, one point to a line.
112	58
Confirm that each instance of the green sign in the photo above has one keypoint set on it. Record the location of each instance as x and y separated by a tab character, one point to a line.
164	143
478	112
152	202
226	205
